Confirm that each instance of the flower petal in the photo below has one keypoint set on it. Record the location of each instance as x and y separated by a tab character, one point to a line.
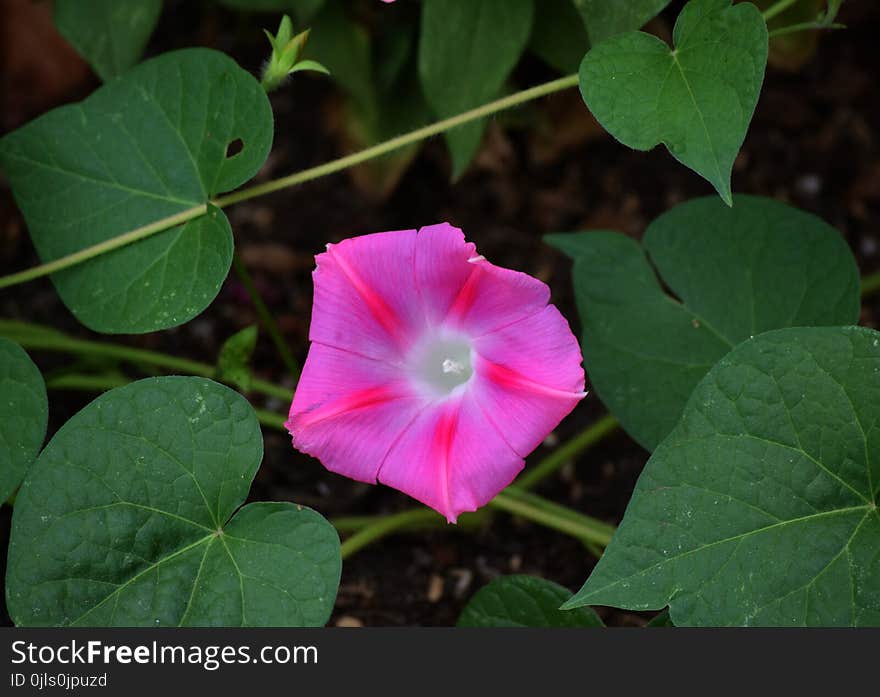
364	299
493	297
348	410
441	268
529	374
451	458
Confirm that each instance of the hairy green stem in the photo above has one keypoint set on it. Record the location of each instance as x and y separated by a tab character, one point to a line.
871	284
102	383
553	516
266	319
803	26
567	451
37	337
294	179
103	247
777	9
385	526
399	142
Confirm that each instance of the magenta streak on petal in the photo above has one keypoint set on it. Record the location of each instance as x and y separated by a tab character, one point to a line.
443	437
465	298
505	377
350	402
378	307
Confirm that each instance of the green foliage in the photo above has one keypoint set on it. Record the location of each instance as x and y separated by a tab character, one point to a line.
284	59
466	51
130	517
109	34
146	146
604	18
24	412
233	363
558	35
761	506
661	620
524	601
343	46
738	272
303	10
378	73
697	99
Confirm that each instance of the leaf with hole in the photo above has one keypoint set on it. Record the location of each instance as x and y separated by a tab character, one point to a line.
133	516
697	98
738	272
466	51
760	508
24	412
604	18
109	34
146	146
524	601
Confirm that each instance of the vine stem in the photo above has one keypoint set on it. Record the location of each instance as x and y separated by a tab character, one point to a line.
871	284
102	383
777	9
567	451
528	506
266	318
122	240
803	26
294	179
35	336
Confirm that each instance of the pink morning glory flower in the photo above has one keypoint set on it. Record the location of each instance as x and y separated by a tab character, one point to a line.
430	369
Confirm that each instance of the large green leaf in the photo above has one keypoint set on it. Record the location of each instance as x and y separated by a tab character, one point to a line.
738	272
697	98
143	147
524	601
24	412
604	18
761	506
128	518
466	51
109	34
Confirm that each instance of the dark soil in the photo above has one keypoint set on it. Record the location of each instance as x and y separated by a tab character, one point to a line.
814	141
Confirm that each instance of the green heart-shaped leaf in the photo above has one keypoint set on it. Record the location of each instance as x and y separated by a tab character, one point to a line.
738	272
24	412
109	34
466	51
128	518
604	18
524	601
144	147
761	506
697	98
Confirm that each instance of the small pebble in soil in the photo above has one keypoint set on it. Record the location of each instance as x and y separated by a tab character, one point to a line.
808	184
349	621
435	588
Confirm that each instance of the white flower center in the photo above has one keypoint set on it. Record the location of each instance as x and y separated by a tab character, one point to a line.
442	364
